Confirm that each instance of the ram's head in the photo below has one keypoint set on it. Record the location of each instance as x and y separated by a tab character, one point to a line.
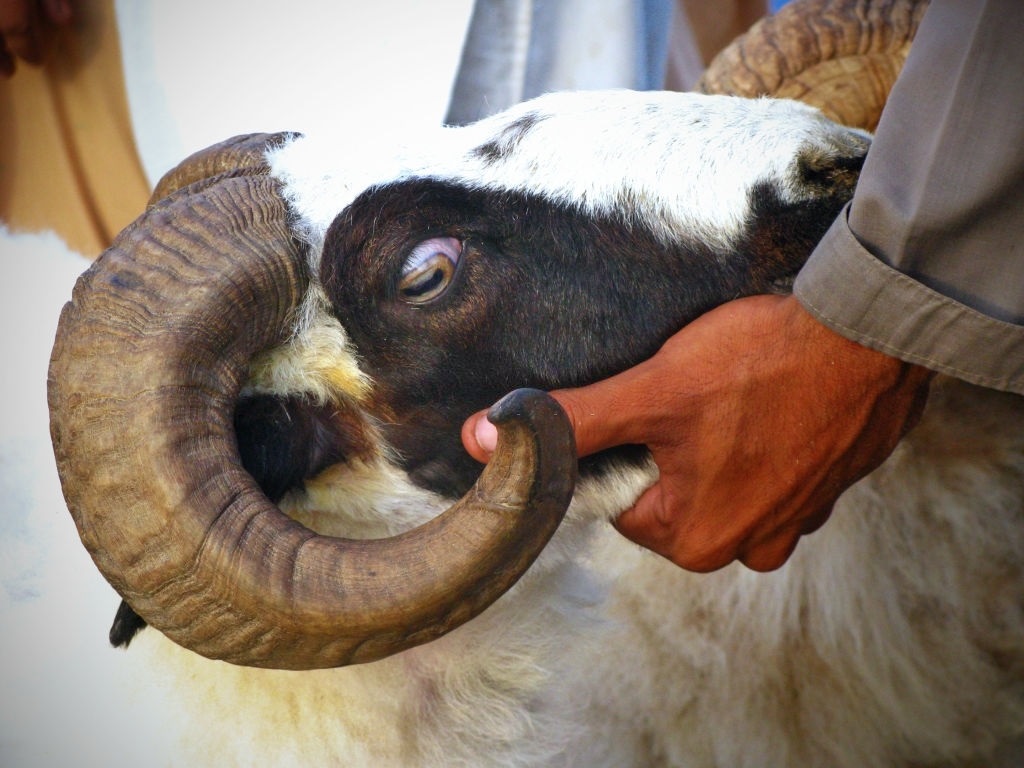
292	310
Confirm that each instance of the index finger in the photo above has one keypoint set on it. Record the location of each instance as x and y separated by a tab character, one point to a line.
596	423
615	411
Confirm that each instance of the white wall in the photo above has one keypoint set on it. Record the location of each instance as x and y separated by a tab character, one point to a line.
198	71
62	688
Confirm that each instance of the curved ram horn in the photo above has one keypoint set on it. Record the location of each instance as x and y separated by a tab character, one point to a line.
237	156
841	56
149	358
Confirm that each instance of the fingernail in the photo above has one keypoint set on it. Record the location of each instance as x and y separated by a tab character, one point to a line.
486	435
59	11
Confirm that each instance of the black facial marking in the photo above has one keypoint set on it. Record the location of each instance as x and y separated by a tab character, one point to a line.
504	143
545	297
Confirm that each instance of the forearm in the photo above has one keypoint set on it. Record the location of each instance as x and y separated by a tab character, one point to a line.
928	265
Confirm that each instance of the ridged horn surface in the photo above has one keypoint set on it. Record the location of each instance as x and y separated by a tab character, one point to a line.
149	358
841	56
243	155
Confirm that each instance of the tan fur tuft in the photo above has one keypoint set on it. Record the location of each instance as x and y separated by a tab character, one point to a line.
317	361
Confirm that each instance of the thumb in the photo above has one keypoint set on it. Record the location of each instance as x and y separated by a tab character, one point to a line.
479	437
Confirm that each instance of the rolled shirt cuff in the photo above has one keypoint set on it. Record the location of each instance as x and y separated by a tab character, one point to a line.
864	299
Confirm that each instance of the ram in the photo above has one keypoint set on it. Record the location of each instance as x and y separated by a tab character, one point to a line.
271	474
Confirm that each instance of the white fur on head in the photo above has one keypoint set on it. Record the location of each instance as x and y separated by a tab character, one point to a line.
683	164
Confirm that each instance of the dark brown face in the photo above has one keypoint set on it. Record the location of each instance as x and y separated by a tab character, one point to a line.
454	297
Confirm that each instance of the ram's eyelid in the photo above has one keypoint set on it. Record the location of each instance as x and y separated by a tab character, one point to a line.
429	270
423	251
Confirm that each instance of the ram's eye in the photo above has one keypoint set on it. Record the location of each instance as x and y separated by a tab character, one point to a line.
429	269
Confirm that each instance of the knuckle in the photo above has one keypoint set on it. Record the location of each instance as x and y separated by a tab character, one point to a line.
702	556
771	555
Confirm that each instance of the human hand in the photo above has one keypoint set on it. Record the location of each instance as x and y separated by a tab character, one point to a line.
21	26
758	417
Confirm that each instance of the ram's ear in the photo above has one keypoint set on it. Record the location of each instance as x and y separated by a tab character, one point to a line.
841	56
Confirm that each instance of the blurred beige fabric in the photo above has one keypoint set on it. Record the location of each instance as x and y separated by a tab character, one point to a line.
700	29
68	160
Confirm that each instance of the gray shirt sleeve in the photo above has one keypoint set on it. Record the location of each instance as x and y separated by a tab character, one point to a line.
927	262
